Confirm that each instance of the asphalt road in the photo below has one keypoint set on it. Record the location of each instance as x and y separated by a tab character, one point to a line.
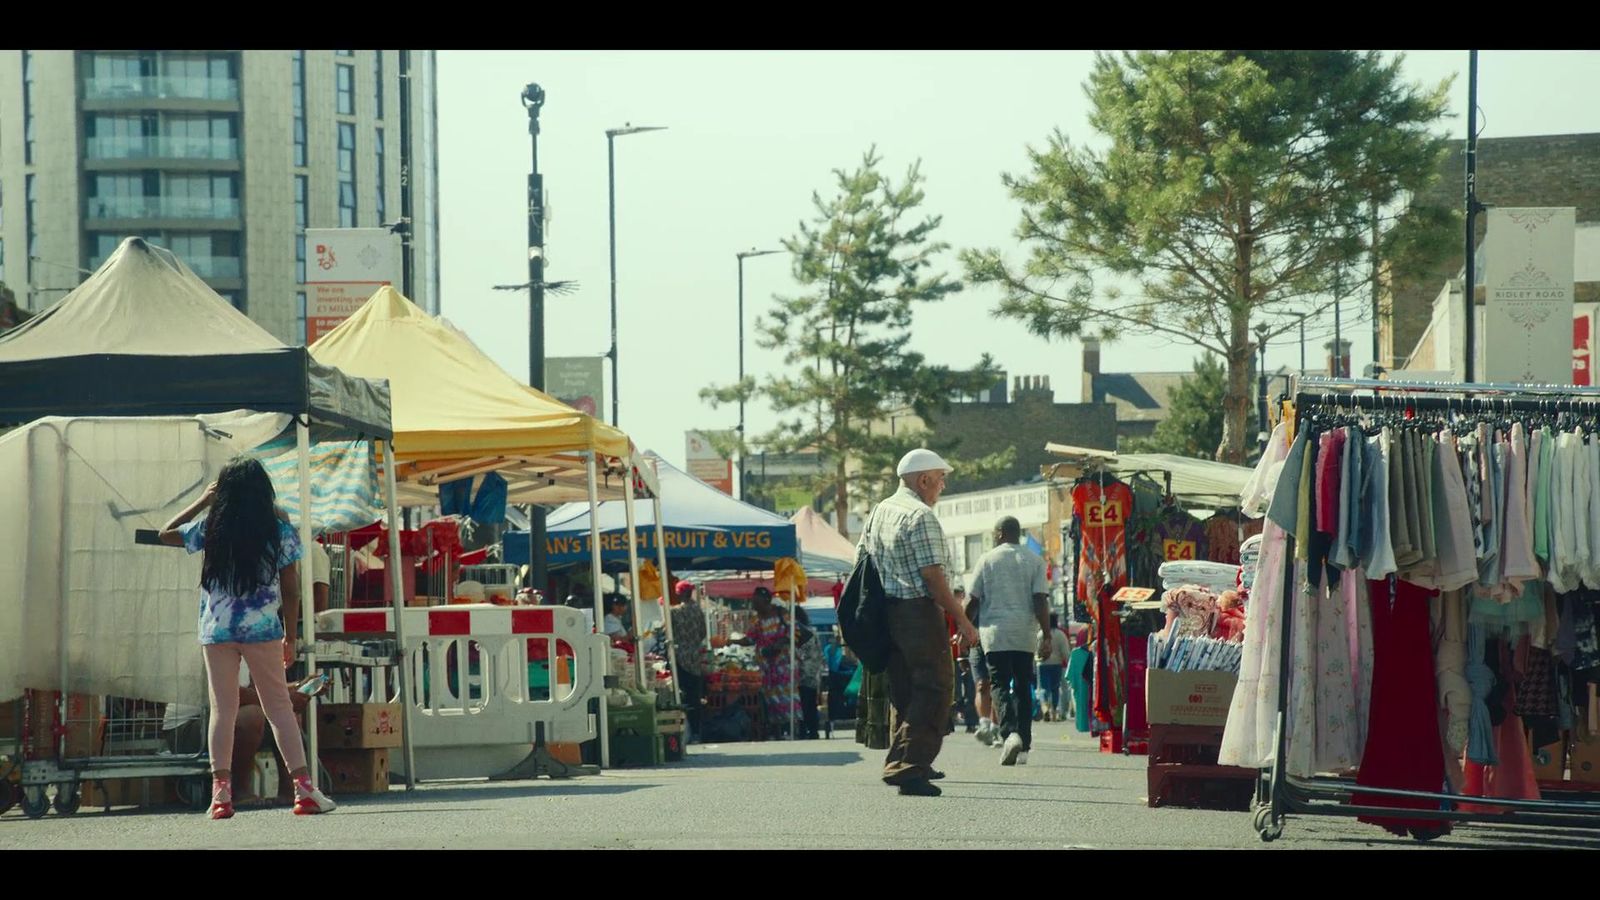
815	794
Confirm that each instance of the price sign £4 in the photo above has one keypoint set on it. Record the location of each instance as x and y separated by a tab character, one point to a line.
1176	550
1102	515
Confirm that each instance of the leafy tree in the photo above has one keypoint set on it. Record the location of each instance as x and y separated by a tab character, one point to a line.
867	261
1238	189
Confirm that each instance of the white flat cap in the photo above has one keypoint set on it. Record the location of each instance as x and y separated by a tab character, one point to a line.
921	460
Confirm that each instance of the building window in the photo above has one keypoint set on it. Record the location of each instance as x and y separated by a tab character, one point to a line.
299	94
300	258
383	205
345	52
377	81
27	110
346	89
300	318
301	192
347	175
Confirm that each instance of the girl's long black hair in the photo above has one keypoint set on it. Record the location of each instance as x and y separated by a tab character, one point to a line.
242	540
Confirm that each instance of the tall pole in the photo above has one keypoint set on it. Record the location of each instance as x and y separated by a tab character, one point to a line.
1302	345
1469	358
742	256
741	377
407	263
611	184
533	99
611	193
1376	284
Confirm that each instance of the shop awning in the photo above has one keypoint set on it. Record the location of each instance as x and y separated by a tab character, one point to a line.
1196	479
458	415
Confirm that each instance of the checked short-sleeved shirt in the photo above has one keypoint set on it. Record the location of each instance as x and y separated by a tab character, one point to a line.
903	535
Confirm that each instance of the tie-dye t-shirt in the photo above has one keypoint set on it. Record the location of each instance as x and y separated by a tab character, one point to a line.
225	618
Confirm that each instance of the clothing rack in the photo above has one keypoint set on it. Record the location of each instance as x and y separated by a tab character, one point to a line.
1278	793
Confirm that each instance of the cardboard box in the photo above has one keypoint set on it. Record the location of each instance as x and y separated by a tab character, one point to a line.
84	724
358	726
1188	698
1585	759
357	771
10	723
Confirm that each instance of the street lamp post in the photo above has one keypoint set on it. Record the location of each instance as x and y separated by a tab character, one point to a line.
611	181
742	256
533	100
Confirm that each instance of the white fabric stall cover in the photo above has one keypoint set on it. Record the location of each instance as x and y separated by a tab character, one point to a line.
76	491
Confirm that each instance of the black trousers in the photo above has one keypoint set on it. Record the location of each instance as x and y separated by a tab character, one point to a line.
808	713
967	696
693	689
1012	674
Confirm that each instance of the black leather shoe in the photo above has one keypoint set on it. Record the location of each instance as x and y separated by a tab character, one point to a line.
919	787
935	774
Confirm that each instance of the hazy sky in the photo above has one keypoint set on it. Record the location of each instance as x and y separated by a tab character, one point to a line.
751	136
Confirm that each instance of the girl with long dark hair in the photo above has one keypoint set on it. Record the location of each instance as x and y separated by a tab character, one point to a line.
249	607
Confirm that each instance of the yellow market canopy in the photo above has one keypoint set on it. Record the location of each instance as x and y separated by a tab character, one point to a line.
458	415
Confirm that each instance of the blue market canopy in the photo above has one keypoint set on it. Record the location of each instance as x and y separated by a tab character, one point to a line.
704	529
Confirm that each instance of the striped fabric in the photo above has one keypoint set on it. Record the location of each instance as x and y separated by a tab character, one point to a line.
344	482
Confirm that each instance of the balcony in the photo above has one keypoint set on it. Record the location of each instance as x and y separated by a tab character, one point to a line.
161	87
211	268
163	147
105	208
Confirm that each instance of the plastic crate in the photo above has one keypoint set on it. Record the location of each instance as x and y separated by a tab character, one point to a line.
1201	787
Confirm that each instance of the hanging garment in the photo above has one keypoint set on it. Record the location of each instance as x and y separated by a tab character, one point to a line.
1591	576
1403	749
1481	680
1257	493
1513	777
1248	738
1222	538
1449	667
1407	550
1350	451
1376	555
1456	565
1541	505
1516	541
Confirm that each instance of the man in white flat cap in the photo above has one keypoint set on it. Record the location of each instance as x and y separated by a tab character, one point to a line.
907	544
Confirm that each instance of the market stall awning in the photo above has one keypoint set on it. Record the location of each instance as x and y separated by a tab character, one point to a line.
823	549
458	415
144	336
1199	479
703	528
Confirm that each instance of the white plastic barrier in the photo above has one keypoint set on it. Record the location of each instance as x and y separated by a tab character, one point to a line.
469	677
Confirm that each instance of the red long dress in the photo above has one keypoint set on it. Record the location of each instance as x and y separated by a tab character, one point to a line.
1403	749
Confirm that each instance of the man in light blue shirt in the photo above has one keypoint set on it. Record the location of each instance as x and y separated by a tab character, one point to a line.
1012	599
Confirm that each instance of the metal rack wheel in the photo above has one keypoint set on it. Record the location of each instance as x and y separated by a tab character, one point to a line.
194	791
34	802
68	798
1264	825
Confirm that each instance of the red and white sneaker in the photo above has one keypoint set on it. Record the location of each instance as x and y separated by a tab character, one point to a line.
308	801
221	799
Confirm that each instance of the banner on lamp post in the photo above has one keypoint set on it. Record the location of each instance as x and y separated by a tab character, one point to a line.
1528	272
706	463
344	267
577	381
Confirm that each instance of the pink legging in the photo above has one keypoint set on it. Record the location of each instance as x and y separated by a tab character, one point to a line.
265	659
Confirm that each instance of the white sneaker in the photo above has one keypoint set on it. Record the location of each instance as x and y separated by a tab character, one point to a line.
986	733
1011	749
313	802
1022	758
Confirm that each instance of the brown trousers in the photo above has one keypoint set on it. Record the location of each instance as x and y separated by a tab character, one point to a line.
921	678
